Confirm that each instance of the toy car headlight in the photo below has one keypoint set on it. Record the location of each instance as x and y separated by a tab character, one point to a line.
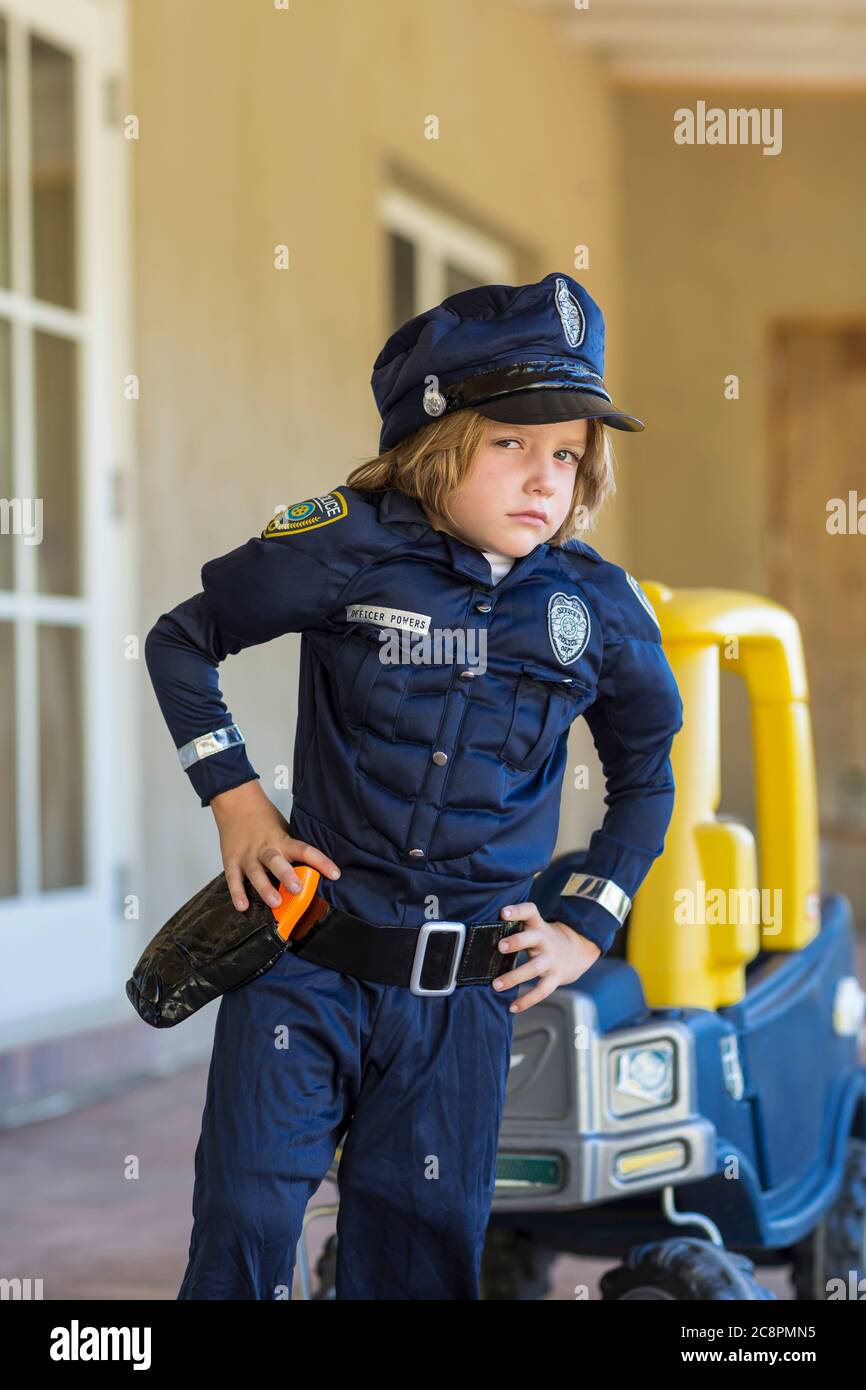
645	1074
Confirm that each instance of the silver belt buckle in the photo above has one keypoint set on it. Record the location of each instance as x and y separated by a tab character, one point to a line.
424	934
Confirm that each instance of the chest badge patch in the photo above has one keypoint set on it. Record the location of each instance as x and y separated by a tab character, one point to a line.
306	515
568	626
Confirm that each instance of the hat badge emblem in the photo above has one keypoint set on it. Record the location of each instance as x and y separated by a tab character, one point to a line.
570	313
568	626
433	401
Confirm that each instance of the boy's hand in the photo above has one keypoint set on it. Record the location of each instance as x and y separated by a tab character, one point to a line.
253	833
558	953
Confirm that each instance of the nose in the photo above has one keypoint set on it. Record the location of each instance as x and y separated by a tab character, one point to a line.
542	473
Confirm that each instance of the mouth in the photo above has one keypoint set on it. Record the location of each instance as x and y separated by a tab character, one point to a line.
529	518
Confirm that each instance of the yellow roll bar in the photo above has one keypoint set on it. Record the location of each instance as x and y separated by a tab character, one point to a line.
710	902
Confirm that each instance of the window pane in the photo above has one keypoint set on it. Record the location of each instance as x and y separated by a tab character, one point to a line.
6	540
4	158
61	757
402	279
57	483
52	119
8	817
457	280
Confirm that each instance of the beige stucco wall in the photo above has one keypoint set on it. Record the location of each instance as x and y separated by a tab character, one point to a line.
260	127
717	241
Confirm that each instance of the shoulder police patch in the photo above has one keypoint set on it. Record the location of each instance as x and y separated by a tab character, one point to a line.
642	598
306	516
568	626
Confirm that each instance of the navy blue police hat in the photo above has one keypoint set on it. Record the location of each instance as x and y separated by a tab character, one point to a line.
522	354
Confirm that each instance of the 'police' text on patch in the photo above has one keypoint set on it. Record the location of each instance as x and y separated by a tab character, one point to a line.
307	515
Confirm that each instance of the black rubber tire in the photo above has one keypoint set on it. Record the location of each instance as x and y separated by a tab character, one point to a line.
685	1269
837	1245
326	1270
515	1266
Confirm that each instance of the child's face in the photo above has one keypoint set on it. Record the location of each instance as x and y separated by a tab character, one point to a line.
518	469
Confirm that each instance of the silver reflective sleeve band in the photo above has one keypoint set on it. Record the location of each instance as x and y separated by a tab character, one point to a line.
205	744
600	890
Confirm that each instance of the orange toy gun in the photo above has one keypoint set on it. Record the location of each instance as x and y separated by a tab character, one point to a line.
208	947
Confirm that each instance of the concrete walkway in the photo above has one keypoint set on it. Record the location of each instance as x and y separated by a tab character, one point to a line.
97	1203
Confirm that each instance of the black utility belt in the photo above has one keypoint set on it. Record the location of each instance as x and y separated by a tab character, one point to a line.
432	959
208	948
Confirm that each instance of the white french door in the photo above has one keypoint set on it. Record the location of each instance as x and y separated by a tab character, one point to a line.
65	552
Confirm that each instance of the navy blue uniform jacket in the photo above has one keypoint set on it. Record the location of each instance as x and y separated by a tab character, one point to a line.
436	792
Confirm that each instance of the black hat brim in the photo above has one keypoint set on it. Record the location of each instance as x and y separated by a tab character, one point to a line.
542	405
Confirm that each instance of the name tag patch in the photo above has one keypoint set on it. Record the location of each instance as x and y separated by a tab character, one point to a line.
385	616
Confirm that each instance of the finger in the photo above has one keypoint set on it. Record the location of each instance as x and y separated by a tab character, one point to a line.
260	881
537	965
234	879
527	912
534	996
521	940
308	854
281	868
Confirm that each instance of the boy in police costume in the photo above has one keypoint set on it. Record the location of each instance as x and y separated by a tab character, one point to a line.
426	792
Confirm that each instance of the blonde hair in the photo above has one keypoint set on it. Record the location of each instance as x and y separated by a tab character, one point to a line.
433	461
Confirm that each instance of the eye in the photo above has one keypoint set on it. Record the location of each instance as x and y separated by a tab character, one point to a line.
577	457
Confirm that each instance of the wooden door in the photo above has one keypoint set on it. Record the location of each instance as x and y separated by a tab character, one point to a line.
817	567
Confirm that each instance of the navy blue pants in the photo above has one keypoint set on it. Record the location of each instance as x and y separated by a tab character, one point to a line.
303	1056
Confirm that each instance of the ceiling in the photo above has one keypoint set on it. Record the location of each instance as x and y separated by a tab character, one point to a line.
792	42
